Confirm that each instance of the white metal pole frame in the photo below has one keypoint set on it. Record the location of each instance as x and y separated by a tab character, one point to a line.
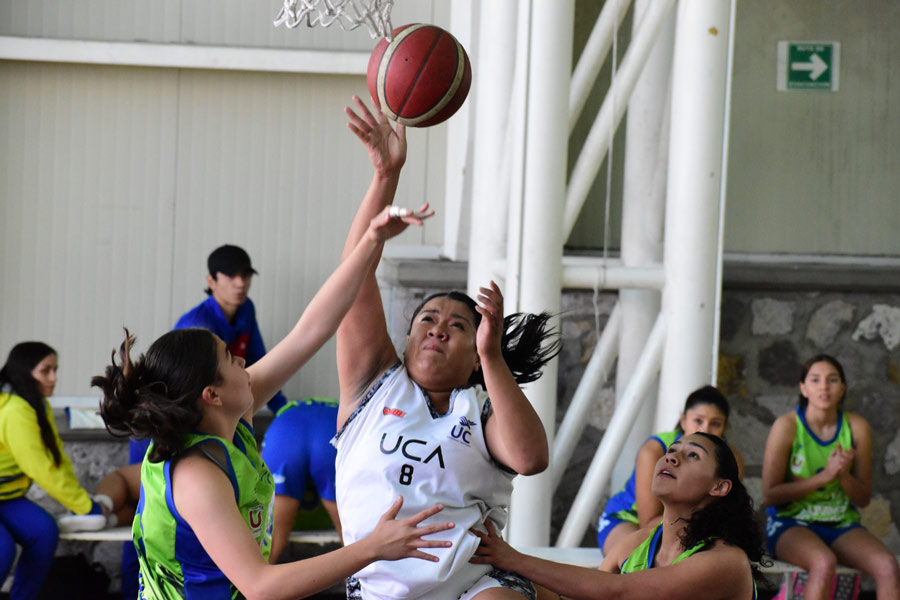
458	184
699	84
643	213
594	482
493	82
593	56
549	70
584	398
597	143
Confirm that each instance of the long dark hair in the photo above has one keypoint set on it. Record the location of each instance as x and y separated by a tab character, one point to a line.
731	518
804	370
157	397
16	373
705	395
523	341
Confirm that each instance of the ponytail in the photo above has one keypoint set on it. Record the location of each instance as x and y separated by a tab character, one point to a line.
157	397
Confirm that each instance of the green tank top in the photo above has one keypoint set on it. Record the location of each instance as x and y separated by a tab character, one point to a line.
173	563
641	558
809	455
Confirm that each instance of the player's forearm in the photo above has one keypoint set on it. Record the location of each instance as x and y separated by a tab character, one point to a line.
379	194
519	440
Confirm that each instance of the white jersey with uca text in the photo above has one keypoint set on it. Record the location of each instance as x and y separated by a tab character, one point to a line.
395	444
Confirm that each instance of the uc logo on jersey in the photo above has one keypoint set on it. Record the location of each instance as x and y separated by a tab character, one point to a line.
462	431
797	461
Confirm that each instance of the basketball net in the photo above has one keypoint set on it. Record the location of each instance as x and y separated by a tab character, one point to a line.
348	14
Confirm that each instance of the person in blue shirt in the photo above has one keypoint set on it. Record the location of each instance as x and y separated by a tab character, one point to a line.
227	311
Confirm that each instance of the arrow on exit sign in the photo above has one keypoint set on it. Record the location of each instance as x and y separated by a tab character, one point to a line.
808	65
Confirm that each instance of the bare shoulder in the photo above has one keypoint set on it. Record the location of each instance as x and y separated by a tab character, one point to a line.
651	449
627	544
785	424
858	422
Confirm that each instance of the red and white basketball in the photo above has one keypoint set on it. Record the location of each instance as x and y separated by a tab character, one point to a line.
421	77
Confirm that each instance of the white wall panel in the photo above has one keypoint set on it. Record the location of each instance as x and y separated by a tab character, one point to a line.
109	20
816	171
117	182
247	23
87	178
266	162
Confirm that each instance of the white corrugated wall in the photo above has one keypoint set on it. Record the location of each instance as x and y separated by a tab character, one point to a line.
116	182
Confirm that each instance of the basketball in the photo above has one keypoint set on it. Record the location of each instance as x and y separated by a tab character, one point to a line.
421	78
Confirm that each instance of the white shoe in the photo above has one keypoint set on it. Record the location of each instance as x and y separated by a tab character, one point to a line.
71	523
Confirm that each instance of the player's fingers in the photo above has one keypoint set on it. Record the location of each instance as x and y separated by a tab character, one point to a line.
366	113
436	528
420	543
356	120
401	132
424	514
391	513
489	525
423	556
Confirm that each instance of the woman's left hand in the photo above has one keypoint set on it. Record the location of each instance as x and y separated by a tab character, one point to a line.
493	550
392	220
490	330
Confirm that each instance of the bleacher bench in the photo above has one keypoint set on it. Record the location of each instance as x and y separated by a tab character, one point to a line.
123	534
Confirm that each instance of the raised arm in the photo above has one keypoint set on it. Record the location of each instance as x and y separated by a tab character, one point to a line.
515	435
723	568
205	499
324	313
364	348
649	508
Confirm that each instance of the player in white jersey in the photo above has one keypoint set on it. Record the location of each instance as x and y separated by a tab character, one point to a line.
448	424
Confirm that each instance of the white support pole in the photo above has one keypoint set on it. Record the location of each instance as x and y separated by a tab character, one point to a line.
699	83
597	143
493	81
585	396
594	55
550	66
597	477
643	212
590	273
458	194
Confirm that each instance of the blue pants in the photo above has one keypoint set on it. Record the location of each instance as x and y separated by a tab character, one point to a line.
24	523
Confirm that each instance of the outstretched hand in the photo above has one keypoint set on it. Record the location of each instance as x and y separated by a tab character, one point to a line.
401	538
493	550
490	330
386	146
393	219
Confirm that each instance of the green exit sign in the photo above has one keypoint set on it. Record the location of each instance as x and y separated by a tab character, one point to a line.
808	65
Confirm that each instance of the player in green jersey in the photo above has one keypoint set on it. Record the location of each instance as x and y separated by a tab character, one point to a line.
705	507
203	527
817	469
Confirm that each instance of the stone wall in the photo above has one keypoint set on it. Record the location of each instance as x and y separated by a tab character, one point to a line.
765	336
